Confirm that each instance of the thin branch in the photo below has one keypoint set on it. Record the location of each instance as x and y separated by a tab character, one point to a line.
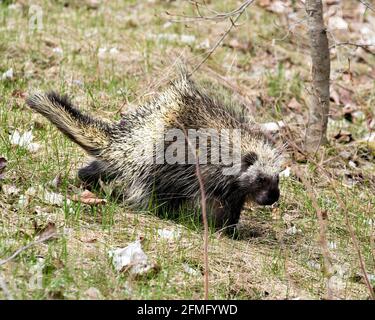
204	212
33	243
343	207
367	5
359	45
219	41
322	231
217	16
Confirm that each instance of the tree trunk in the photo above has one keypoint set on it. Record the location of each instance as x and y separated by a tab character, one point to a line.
318	93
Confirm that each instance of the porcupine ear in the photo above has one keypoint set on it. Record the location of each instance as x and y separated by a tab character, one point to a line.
248	160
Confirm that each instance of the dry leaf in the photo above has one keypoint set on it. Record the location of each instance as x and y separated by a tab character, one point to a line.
88	240
235	44
295	105
93	293
335	96
264	3
10	190
53	198
343	136
345	96
87	197
47	231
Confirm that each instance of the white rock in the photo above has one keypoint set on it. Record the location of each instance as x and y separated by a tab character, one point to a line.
332	245
14	6
169	234
293	230
58	50
190	270
8	74
167	25
272	126
187	38
352	164
314	265
24	140
285	173
31	191
114	51
205	44
278	7
369	138
23	201
131	257
102	52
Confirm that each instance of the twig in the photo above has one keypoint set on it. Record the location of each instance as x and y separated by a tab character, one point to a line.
367	5
344	208
204	213
358	45
322	231
355	241
217	16
16	253
219	41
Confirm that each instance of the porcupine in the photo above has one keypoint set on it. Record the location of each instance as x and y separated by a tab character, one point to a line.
122	152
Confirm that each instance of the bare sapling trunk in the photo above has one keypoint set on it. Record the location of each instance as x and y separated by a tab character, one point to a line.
318	93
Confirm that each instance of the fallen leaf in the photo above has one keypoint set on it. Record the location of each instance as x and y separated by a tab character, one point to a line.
278	7
56	182
88	240
87	197
235	44
10	190
47	231
295	105
359	277
345	96
264	3
93	293
343	136
53	198
17	93
276	214
335	96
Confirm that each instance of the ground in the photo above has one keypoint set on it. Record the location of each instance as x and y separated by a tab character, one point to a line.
111	56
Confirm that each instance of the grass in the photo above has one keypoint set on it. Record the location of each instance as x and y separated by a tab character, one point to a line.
278	255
